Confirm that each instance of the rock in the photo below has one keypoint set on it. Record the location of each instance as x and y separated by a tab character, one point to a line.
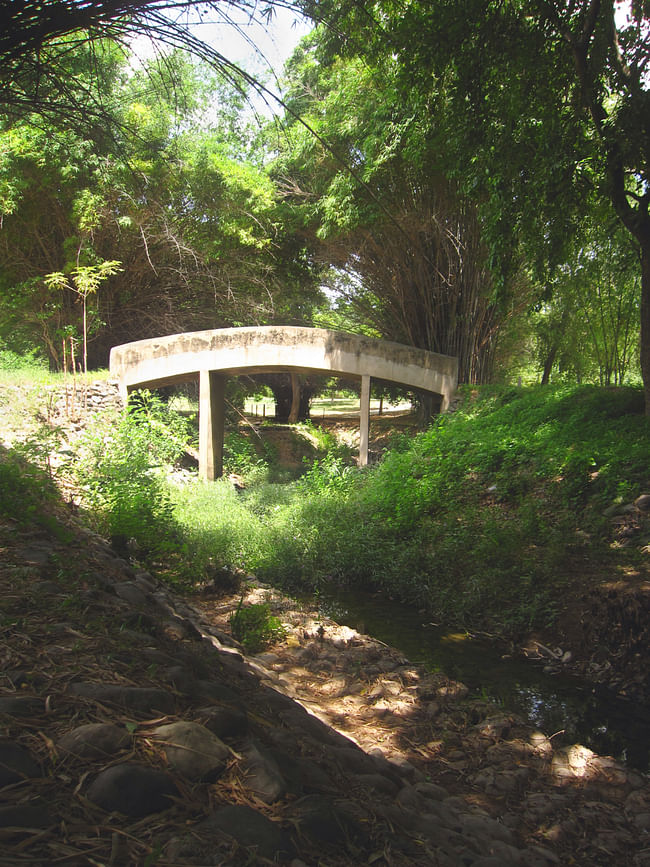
432	791
295	716
179	677
539	856
224	721
352	759
131	593
454	691
47	588
410	799
94	741
302	775
400	765
212	690
251	829
501	782
378	782
22	705
643	503
36	555
494	727
135	790
324	822
192	750
141	621
146	700
16	764
571	761
145	582
156	656
263	776
483	827
23	816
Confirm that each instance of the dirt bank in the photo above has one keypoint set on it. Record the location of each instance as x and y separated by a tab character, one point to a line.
134	728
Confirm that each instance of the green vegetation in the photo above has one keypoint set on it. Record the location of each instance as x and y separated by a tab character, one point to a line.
478	519
255	627
484	520
502	218
120	470
24	488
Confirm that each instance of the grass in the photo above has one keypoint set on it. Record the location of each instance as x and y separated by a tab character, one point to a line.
477	520
18	370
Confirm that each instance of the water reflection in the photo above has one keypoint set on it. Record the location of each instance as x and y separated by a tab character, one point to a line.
562	706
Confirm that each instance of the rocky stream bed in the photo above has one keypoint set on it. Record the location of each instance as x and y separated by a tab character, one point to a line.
136	732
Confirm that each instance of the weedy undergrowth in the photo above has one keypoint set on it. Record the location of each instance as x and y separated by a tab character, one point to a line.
120	471
475	520
255	627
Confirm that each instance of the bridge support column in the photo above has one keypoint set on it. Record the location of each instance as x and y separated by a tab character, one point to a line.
364	423
211	424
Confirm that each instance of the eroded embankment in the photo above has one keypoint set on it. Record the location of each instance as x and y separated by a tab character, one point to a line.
133	728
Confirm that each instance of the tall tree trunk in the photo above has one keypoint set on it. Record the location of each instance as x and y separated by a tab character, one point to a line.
548	364
645	320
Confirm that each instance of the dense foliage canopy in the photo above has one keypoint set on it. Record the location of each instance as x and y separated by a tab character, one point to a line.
470	178
541	105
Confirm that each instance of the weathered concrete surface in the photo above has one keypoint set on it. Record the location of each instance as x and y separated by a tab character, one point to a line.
234	350
181	357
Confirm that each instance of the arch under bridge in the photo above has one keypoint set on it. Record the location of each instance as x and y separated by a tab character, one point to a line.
213	355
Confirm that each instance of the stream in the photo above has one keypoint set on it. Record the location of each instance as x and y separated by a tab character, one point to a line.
570	709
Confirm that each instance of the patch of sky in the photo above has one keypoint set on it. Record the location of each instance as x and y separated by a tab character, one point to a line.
259	44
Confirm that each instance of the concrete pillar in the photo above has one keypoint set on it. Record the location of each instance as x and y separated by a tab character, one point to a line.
211	424
364	432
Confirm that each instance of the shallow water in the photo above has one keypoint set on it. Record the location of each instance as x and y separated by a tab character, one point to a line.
566	707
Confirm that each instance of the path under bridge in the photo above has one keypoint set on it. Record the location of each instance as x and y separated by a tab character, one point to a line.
214	355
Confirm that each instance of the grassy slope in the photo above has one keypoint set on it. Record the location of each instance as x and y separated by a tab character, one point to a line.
488	519
491	519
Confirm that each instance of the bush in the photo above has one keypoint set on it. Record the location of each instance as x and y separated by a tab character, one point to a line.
117	472
255	627
28	361
24	488
240	457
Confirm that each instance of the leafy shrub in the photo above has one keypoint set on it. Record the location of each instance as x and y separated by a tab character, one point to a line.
255	627
240	456
331	474
216	526
28	494
22	362
24	488
117	472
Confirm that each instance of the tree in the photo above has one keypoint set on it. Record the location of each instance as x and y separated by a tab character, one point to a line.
589	326
34	67
167	192
84	280
542	103
408	243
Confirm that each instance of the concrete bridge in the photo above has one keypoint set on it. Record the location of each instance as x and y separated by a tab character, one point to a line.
213	355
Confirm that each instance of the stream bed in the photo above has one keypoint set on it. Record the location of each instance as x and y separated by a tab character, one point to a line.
565	707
